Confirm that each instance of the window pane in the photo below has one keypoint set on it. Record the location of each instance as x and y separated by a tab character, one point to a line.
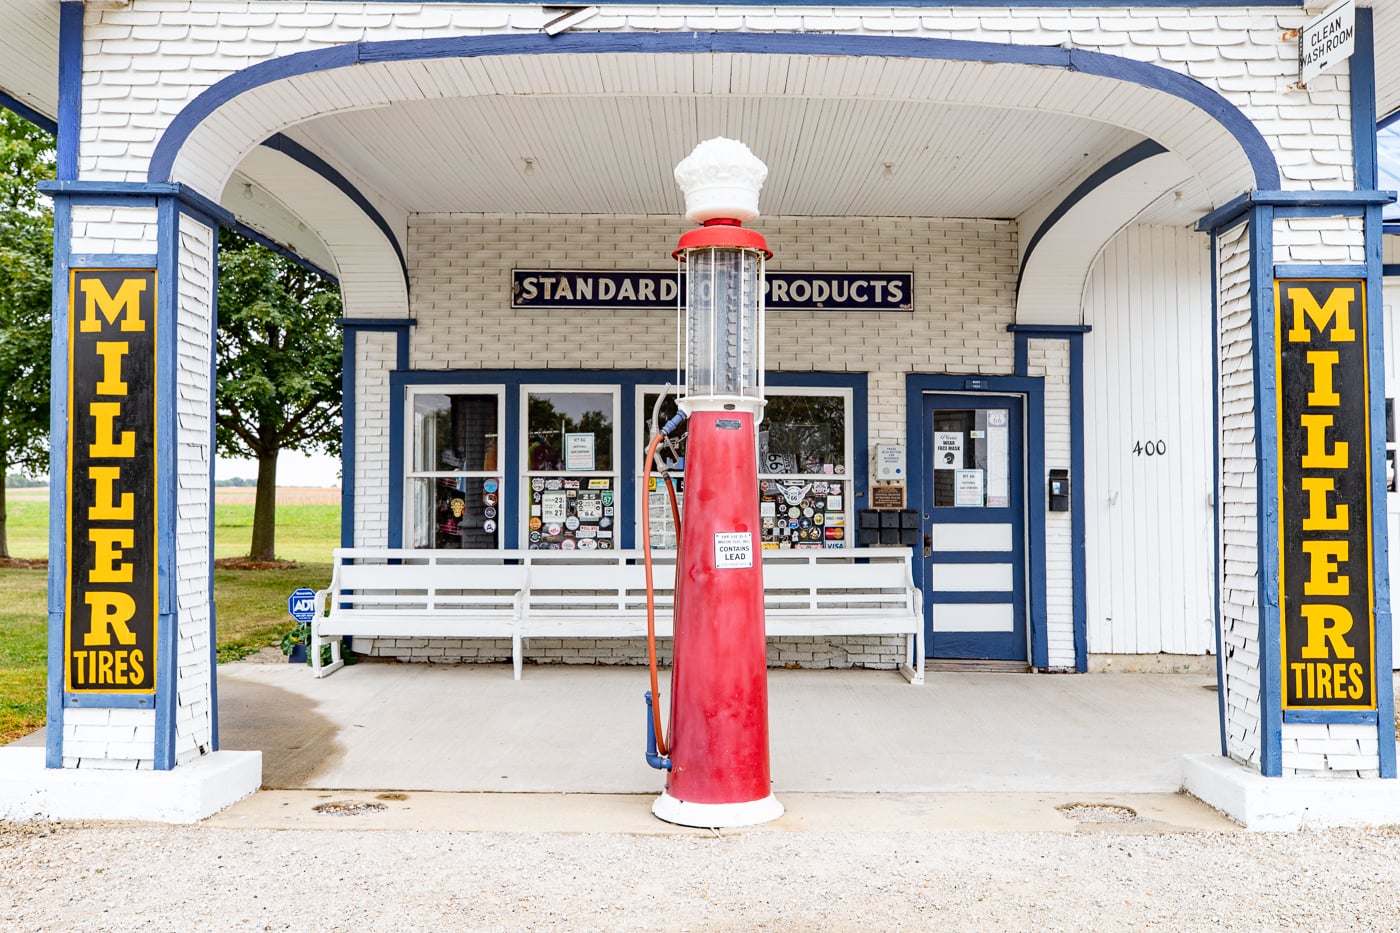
803	434
570	431
456	512
572	513
454	433
971	458
668	410
802	513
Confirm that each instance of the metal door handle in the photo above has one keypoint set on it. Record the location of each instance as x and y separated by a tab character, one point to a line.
928	544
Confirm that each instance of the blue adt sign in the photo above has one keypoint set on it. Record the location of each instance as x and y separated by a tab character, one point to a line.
302	605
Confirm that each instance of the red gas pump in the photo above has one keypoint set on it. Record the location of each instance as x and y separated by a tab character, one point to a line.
718	753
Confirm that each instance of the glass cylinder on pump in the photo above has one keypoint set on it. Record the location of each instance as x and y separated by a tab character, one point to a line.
724	327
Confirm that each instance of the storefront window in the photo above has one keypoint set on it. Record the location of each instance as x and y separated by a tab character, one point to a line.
803	456
569	456
803	459
663	527
454	486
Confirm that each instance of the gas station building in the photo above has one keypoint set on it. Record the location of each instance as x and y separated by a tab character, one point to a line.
1095	290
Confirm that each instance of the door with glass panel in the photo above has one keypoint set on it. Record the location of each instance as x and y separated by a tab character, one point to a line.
974	554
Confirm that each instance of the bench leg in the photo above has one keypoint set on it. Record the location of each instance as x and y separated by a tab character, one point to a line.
913	669
517	647
315	648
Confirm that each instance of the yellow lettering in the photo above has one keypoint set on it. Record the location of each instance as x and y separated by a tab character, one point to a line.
1317	519
105	443
108	545
1322	362
1323	579
1316	457
1338	306
1324	682
138	673
1327	626
112	352
1357	688
110	613
106	509
126	304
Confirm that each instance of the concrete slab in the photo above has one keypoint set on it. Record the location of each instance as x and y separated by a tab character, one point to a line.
186	794
471	728
1291	803
631	813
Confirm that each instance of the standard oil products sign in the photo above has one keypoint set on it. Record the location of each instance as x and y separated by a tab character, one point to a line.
110	618
582	290
1328	629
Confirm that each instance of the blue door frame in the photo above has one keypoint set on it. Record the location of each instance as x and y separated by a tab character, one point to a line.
1001	597
1032	390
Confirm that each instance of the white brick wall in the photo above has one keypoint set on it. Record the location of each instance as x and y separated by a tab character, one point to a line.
1050	360
1238	498
377	353
1319	240
194	500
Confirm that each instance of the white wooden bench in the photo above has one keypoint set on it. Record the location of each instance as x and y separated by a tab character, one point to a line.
402	593
602	594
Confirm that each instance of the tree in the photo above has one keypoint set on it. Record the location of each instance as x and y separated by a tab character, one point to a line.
26	297
279	362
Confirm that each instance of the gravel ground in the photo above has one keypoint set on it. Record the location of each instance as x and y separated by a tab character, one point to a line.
142	877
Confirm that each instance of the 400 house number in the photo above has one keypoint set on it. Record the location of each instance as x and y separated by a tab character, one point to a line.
1150	448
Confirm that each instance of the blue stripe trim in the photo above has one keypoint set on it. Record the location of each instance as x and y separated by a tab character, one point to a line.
1338	717
1218	614
378	323
1049	330
1380	543
1365	159
123	192
213	427
114	261
1388	120
310	160
43	121
977	557
1390	269
58	485
978	597
1295	270
349	337
1320	203
1115	166
70	89
1037	612
1100	64
1261	238
167	492
1079	560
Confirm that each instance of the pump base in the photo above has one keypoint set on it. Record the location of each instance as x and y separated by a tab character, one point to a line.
716	815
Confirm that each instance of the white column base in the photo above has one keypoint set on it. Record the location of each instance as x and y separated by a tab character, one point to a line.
716	815
1286	804
186	794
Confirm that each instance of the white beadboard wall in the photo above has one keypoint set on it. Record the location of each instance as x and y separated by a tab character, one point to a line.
1147	379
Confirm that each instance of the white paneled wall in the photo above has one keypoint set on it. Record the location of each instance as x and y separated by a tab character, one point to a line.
1148	445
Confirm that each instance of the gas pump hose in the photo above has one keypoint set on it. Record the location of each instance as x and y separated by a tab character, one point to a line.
662	745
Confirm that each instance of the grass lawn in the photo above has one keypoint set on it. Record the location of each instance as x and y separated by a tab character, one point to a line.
251	605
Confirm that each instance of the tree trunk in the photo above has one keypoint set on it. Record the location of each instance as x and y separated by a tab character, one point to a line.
4	540
265	510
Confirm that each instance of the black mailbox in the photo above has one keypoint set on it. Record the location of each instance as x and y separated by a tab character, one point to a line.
1059	490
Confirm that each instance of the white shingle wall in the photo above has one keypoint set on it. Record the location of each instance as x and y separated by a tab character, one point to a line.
1049	359
108	230
376	356
145	61
194	500
1343	750
1319	240
1238	498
